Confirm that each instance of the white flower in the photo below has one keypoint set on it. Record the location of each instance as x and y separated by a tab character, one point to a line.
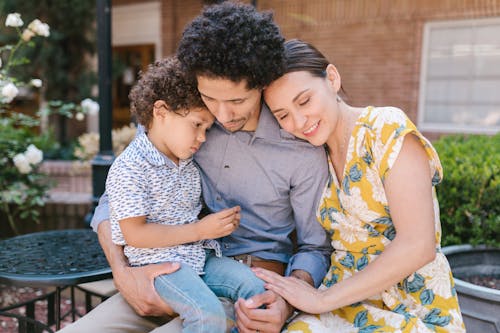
14	20
79	116
21	163
36	83
33	154
9	92
27	35
90	106
39	28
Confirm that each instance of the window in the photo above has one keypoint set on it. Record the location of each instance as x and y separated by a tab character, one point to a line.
460	77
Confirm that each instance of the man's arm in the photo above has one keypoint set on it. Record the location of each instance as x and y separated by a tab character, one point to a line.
134	283
313	246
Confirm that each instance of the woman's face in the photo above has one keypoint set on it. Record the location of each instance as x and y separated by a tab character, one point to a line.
305	105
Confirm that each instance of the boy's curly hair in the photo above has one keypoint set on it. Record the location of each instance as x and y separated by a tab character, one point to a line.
233	41
164	80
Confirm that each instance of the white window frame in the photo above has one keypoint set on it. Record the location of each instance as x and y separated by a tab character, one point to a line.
441	127
138	23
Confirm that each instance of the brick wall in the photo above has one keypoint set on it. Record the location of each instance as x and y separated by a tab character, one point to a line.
376	44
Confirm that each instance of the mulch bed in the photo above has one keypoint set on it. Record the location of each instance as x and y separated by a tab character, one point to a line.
10	295
484	281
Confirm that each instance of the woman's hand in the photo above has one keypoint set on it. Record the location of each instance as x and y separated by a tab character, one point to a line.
298	293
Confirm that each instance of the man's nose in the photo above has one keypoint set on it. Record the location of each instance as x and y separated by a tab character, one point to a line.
224	113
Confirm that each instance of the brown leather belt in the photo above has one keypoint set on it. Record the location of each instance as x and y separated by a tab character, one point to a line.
253	261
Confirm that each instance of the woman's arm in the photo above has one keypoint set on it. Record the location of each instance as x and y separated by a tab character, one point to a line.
408	189
138	233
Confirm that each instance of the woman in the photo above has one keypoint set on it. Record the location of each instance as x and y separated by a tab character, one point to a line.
387	271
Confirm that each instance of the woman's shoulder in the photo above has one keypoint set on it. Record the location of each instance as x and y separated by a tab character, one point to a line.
378	117
385	122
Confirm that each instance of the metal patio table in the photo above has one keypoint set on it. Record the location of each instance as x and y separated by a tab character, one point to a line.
59	258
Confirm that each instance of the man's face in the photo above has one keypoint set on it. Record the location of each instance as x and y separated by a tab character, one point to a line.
232	103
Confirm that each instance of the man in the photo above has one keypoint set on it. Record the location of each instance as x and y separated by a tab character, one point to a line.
247	160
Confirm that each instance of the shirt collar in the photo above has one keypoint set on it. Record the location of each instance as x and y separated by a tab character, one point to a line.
268	127
154	156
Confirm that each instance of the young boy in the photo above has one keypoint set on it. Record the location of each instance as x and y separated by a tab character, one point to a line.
155	199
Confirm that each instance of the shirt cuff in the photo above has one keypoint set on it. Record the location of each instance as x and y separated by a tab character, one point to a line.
101	212
312	262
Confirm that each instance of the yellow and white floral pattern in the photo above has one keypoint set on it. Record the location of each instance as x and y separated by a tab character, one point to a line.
355	213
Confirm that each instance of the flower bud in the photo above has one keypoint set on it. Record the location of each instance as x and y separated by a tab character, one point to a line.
33	155
90	106
27	35
9	92
14	20
36	83
21	163
39	28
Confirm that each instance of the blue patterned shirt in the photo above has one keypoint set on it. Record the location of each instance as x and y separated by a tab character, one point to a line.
144	182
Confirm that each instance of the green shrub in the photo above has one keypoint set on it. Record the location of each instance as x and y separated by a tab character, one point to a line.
469	196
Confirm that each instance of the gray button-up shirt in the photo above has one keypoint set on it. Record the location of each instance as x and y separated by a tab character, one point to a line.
277	180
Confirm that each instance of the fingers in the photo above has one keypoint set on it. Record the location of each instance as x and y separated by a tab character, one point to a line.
155	270
228	212
248	320
250	317
259	300
266	275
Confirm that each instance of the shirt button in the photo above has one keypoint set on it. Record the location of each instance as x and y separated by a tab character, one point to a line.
226	246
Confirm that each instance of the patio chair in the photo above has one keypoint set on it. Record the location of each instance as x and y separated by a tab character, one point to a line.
27	325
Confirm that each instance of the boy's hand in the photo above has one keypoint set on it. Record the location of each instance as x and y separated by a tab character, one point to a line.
219	224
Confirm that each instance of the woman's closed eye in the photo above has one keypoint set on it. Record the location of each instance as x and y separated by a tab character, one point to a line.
304	101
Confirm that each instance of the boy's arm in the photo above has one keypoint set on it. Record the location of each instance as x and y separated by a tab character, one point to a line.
138	233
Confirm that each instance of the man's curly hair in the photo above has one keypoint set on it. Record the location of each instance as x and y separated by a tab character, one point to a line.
233	41
164	80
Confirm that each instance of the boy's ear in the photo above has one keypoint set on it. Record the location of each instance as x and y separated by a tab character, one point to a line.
160	108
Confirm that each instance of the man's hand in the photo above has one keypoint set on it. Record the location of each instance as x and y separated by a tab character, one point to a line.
136	284
250	318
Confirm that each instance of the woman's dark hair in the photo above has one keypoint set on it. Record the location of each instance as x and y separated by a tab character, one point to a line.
302	56
233	41
164	80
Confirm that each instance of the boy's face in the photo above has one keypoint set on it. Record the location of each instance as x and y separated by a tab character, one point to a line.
181	136
232	103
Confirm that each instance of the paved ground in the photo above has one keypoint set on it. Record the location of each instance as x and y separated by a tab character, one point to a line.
12	295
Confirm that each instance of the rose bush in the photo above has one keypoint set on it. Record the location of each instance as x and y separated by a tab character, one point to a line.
23	188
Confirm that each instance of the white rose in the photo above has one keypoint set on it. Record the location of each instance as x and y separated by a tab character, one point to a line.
39	28
90	106
14	20
27	35
21	163
33	154
79	116
36	83
9	92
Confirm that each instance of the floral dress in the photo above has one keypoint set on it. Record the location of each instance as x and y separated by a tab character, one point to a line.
356	216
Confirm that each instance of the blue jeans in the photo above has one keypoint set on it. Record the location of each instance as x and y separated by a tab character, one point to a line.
195	297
